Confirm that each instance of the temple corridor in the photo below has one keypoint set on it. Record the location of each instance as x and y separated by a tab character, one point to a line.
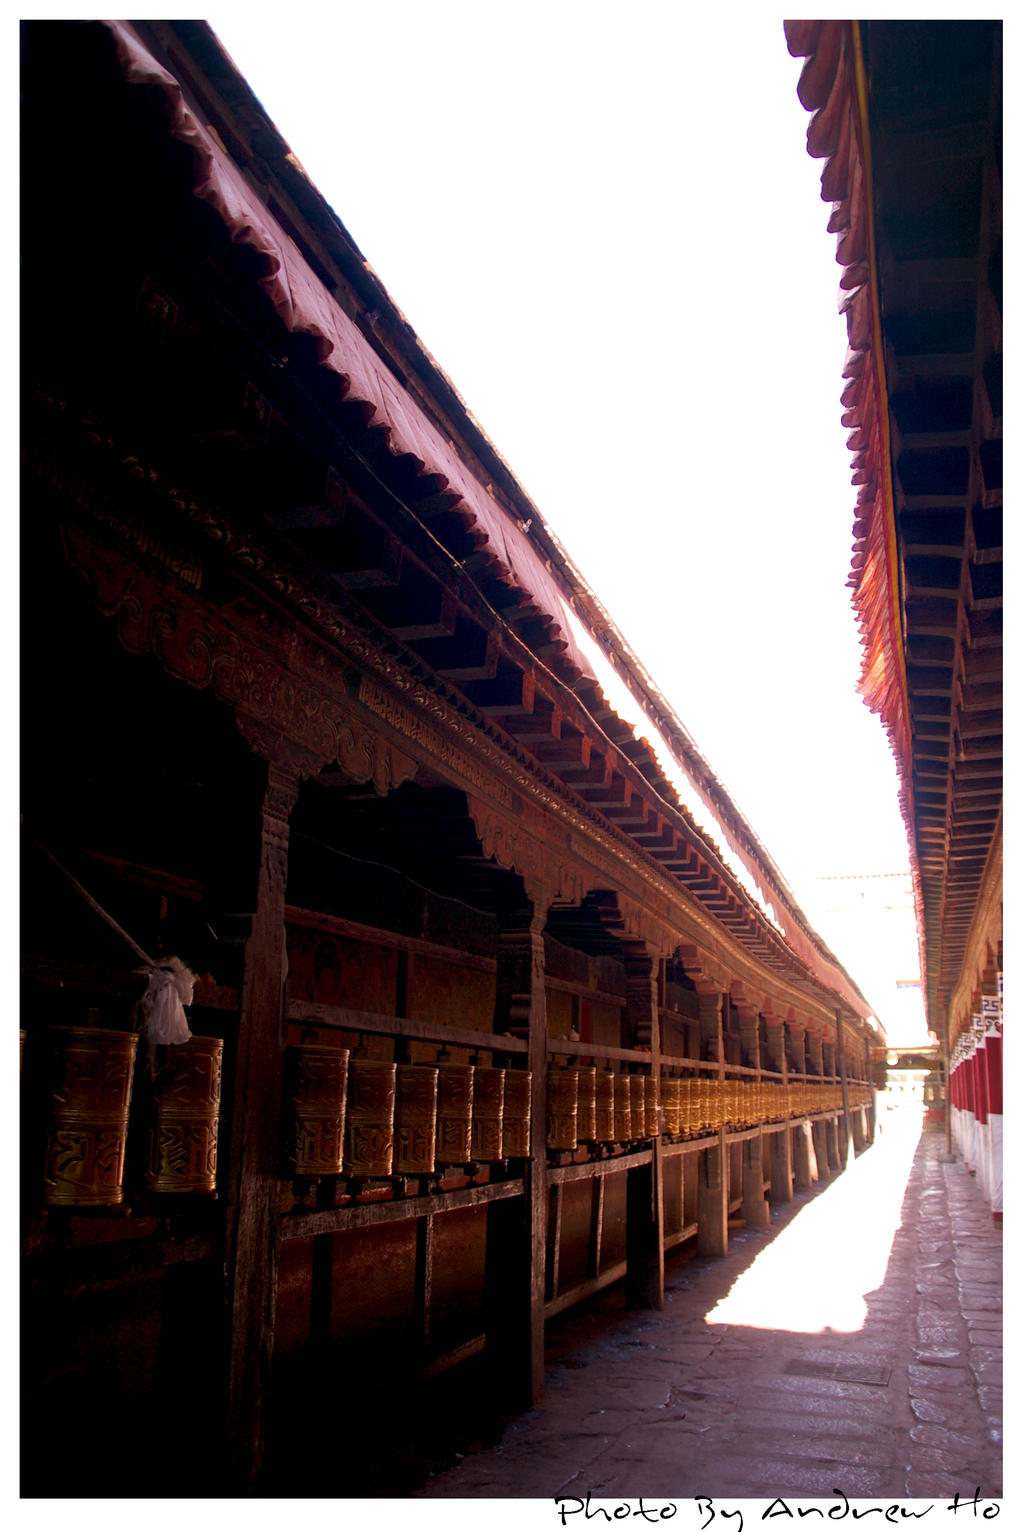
854	1346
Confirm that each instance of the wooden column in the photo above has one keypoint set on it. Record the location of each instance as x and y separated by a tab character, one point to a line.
804	1167
835	1163
254	1177
517	1227
796	1047
781	1157
713	1169
781	1166
756	1211
819	1136
845	1130
645	1217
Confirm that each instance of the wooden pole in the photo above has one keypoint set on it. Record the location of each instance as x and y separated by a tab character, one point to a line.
254	1183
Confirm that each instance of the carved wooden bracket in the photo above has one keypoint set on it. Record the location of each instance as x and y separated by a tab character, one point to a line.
281	715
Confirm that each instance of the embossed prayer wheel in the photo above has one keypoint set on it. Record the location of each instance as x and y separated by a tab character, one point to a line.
182	1151
90	1076
370	1118
586	1113
454	1114
650	1106
604	1097
687	1104
315	1079
623	1114
637	1107
488	1113
415	1120
671	1093
516	1123
563	1108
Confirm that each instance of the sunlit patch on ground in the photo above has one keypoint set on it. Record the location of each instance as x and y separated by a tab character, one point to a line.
816	1273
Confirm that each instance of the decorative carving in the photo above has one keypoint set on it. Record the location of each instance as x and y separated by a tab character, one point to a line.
279	712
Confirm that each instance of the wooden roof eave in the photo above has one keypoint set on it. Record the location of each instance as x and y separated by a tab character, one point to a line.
833	80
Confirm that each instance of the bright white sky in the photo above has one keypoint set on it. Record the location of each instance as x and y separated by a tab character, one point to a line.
604	224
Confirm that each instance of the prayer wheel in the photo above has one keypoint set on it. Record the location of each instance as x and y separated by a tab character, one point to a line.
315	1079
687	1104
90	1077
370	1118
454	1114
516	1122
182	1155
604	1102
671	1098
637	1110
563	1108
488	1112
623	1113
415	1120
586	1115
650	1106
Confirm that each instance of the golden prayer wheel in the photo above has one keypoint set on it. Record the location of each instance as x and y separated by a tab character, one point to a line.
90	1072
701	1103
622	1108
604	1107
315	1079
415	1120
516	1124
488	1109
563	1108
650	1106
671	1100
687	1104
636	1105
182	1153
454	1114
370	1118
586	1115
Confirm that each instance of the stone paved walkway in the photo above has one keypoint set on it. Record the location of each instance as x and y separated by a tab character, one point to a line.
856	1345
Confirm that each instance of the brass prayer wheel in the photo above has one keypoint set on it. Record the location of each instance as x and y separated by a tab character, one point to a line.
671	1095
182	1152
650	1106
90	1070
637	1106
563	1108
454	1114
370	1118
516	1125
315	1079
488	1109
687	1104
604	1096
415	1119
586	1112
623	1115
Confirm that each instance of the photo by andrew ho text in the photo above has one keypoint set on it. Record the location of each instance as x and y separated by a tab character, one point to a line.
733	1517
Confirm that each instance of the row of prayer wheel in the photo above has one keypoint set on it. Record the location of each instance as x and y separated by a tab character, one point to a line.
88	1075
368	1118
587	1105
591	1106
